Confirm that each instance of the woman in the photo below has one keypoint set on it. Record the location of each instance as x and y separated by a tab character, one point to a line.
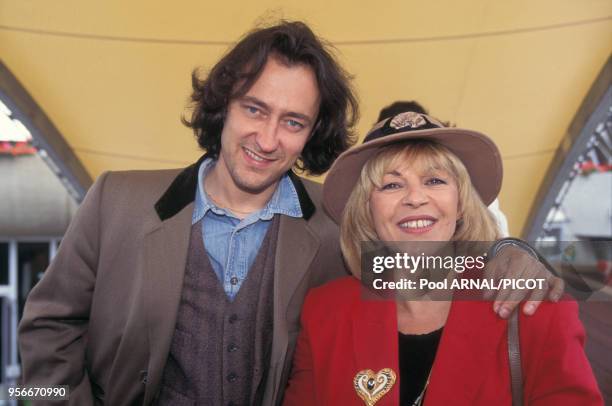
414	180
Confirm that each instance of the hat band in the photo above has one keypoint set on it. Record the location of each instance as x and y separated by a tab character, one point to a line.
386	130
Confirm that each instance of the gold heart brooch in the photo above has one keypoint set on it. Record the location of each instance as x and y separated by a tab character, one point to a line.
372	387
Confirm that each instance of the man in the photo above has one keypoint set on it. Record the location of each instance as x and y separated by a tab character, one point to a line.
176	288
185	287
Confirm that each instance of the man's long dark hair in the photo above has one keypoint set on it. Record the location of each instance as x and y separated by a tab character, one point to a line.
292	43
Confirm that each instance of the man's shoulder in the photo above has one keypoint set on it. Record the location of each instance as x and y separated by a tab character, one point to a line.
139	181
313	188
314	192
131	193
150	175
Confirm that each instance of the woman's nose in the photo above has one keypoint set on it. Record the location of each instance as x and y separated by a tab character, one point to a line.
415	197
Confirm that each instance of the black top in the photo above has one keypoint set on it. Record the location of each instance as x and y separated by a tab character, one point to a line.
416	356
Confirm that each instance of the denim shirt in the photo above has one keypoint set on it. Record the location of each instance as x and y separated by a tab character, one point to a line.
232	244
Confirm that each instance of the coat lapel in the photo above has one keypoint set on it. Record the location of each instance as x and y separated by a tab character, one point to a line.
165	257
165	250
466	352
375	341
296	248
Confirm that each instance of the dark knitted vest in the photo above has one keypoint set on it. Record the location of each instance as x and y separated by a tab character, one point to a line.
220	350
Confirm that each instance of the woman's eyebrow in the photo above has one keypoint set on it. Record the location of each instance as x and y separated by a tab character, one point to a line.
436	171
393	173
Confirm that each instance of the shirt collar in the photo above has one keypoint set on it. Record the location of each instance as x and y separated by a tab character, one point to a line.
284	200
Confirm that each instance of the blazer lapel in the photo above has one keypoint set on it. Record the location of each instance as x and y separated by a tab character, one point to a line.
165	257
375	341
466	352
464	356
165	249
295	250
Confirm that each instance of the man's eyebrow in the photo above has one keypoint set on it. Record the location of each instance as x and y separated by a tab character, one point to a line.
266	107
300	116
256	101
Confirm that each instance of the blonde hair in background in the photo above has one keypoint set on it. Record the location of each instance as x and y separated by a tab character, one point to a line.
476	223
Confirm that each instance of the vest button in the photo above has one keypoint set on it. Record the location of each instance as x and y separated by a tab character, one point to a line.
231	377
232	347
233	318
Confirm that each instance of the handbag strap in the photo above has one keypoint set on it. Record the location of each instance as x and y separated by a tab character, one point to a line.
514	355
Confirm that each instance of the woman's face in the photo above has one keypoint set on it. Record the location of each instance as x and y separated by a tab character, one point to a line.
415	203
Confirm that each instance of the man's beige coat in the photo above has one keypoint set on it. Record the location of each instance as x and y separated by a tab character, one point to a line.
102	318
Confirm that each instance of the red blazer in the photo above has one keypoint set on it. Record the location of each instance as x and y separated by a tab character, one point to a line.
343	334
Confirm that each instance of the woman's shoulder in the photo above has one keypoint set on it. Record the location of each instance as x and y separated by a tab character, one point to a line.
552	348
549	316
338	291
552	321
331	299
341	300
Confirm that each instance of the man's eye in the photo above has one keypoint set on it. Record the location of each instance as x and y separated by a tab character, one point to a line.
436	181
295	124
252	110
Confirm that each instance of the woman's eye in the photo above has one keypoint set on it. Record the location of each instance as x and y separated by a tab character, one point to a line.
436	181
390	186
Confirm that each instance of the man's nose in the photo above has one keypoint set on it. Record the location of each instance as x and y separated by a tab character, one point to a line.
267	136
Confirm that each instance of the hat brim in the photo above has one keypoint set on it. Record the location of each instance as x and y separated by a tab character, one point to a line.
477	152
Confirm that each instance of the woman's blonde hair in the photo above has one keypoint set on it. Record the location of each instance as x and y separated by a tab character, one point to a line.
476	223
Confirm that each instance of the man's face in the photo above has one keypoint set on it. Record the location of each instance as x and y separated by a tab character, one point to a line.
266	129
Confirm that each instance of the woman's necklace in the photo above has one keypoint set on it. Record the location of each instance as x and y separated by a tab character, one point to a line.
419	400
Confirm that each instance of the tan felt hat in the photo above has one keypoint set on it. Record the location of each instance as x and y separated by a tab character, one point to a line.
477	152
